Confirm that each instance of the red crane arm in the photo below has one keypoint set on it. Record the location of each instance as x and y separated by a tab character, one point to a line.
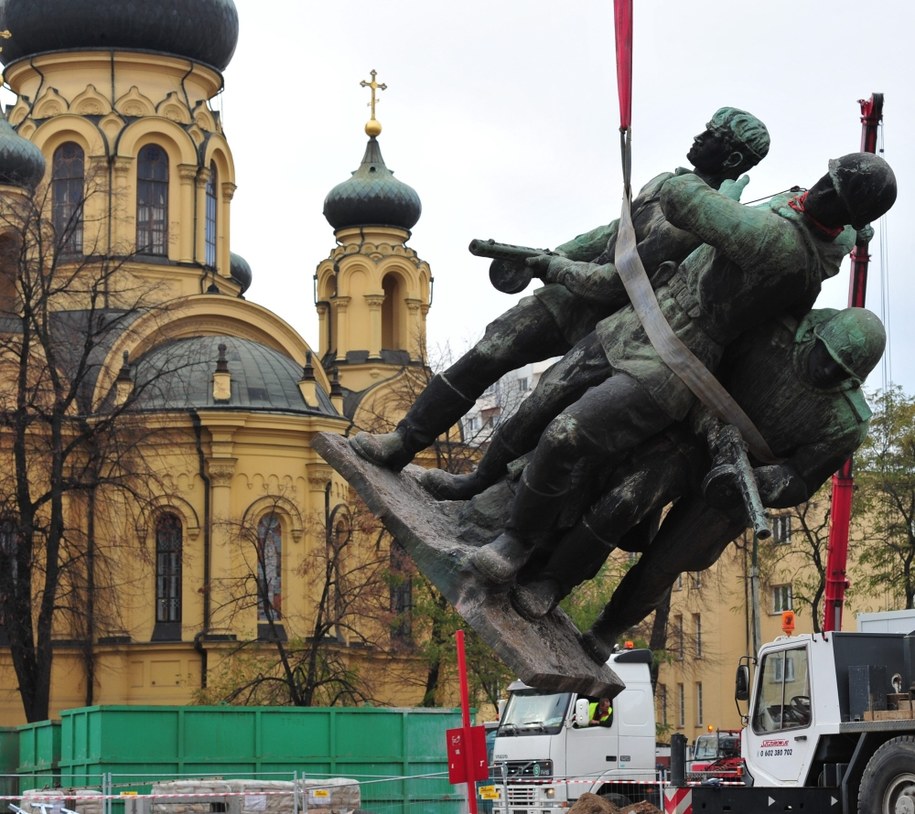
843	481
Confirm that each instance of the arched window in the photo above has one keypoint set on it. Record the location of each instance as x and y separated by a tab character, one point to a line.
210	258
269	567
9	543
68	183
152	200
401	595
391	310
168	568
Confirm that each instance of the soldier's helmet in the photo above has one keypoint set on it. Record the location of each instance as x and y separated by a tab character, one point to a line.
866	186
855	339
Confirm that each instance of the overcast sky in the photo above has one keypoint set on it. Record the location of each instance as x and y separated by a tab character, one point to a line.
503	116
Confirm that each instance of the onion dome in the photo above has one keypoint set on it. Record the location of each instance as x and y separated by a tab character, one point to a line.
202	30
21	162
240	271
372	196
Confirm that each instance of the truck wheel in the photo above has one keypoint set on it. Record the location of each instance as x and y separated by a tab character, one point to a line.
888	784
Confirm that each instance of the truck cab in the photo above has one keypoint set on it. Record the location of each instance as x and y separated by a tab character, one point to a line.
546	754
716	754
834	713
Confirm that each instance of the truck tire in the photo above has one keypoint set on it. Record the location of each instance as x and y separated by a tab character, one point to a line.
888	783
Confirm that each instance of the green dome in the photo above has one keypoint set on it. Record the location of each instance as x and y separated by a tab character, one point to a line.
372	197
202	30
21	162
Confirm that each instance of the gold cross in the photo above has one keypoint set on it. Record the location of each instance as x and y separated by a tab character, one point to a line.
374	86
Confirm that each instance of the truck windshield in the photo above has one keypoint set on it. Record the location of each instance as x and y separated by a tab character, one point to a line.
710	747
534	713
783	695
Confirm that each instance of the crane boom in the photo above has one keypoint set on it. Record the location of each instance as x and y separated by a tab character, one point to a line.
843	481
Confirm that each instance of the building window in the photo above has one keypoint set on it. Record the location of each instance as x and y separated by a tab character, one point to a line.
782	599
168	568
699	708
68	183
681	706
678	585
679	637
696	580
210	236
697	627
782	669
781	529
152	201
9	537
401	595
662	704
269	567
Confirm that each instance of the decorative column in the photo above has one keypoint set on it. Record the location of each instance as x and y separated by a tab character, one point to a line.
340	305
374	302
187	216
221	469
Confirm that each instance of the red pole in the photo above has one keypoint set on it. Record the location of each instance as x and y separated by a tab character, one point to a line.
469	757
843	482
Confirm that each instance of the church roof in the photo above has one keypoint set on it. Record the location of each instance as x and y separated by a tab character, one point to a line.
178	375
21	162
202	30
372	196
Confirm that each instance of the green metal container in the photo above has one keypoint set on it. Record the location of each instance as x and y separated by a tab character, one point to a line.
140	744
9	760
39	754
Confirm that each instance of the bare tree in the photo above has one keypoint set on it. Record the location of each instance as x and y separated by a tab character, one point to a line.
71	449
306	659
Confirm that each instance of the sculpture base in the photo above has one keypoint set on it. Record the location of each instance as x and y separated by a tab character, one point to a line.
440	536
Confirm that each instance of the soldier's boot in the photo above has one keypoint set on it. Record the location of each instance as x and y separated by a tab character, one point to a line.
578	557
436	409
444	485
601	638
532	518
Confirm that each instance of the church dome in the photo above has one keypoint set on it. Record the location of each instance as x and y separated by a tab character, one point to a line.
240	271
263	379
21	162
372	196
202	30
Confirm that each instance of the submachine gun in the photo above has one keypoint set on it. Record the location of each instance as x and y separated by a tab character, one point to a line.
508	272
731	477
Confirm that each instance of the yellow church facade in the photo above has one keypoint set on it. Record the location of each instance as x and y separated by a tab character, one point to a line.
211	549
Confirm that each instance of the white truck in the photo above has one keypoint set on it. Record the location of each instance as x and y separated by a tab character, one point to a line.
830	727
546	755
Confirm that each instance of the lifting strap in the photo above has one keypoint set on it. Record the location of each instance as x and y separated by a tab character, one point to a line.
679	358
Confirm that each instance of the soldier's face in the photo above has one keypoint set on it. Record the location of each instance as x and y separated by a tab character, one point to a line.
824	203
822	370
710	150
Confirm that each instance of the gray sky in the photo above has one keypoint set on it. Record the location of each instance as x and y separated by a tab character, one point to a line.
503	116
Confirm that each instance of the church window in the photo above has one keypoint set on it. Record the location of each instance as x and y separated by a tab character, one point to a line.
152	201
401	595
269	567
168	568
68	177
210	258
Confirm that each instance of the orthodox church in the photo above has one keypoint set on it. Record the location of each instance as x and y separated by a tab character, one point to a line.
123	316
